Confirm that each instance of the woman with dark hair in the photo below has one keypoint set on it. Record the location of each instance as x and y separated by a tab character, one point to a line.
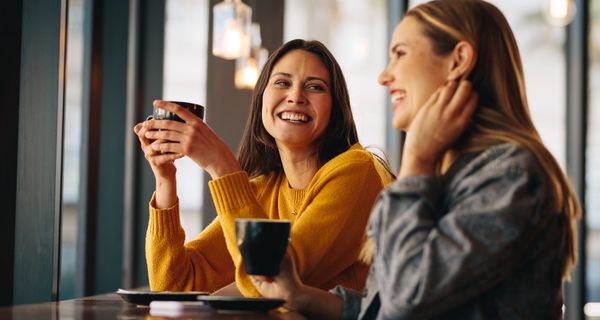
299	160
480	223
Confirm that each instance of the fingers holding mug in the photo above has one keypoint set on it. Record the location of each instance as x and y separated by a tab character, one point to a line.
166	147
141	131
160	152
186	112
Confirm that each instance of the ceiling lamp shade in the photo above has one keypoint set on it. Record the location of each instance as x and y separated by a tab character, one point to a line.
231	29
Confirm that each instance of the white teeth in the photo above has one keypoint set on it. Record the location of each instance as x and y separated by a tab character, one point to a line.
295	117
396	97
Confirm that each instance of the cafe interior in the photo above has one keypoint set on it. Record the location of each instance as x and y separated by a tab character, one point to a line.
79	74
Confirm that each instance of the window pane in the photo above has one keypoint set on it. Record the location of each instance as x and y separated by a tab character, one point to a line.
542	52
72	149
593	162
356	33
186	31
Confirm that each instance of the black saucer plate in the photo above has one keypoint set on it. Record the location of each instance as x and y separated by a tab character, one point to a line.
145	297
241	304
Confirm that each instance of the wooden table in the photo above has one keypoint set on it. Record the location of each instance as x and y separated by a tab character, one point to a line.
110	306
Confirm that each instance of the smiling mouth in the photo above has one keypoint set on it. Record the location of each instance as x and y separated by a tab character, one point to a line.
294	117
398	96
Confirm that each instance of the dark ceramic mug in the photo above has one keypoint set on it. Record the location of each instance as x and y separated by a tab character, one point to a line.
162	114
263	244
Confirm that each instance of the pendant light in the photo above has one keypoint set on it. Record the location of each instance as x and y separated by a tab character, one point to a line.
231	29
560	12
247	68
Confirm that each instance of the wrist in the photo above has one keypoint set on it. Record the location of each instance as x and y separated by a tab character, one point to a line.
298	300
165	178
414	167
165	182
222	169
166	193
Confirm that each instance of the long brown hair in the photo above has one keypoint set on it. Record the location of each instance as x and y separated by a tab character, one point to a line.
503	113
258	152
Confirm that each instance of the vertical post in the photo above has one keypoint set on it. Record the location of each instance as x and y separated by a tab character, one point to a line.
149	86
132	115
39	162
577	104
394	140
104	100
108	102
10	29
88	168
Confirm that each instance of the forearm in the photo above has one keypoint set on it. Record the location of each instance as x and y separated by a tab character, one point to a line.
315	303
165	254
172	274
166	192
201	265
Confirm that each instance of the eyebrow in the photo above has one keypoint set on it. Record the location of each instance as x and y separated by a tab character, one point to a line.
400	44
287	75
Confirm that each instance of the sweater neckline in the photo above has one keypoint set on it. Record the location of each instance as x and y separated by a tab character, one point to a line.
294	197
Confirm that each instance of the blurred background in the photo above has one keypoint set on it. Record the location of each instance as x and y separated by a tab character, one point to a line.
357	32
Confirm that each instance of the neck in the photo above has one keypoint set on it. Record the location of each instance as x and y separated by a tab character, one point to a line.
299	165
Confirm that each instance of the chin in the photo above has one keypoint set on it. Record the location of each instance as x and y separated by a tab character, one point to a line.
400	123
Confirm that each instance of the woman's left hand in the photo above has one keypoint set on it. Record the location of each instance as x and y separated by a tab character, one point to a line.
287	285
436	126
193	138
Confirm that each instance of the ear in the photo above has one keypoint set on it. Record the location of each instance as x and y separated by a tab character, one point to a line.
462	60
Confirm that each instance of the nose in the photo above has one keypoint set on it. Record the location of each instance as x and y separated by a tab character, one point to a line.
296	95
385	77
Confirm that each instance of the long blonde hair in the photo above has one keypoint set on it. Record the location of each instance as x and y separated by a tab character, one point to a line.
503	113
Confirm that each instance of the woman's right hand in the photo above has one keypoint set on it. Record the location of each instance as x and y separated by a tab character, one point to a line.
162	164
192	138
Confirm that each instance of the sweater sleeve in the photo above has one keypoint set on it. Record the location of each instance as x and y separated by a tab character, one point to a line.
326	237
433	257
199	265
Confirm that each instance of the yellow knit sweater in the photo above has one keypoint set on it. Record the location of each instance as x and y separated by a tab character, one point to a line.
328	227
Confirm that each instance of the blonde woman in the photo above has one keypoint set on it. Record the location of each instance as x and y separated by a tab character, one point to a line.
481	220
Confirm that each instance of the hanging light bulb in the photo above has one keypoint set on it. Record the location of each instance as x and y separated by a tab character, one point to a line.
246	73
560	12
247	69
231	29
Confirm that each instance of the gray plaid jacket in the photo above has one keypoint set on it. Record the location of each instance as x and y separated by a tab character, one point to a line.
476	243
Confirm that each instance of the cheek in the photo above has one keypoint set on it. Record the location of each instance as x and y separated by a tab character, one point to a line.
325	112
263	116
267	104
267	120
264	112
426	87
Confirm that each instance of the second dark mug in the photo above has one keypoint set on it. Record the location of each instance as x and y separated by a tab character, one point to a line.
162	114
263	244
